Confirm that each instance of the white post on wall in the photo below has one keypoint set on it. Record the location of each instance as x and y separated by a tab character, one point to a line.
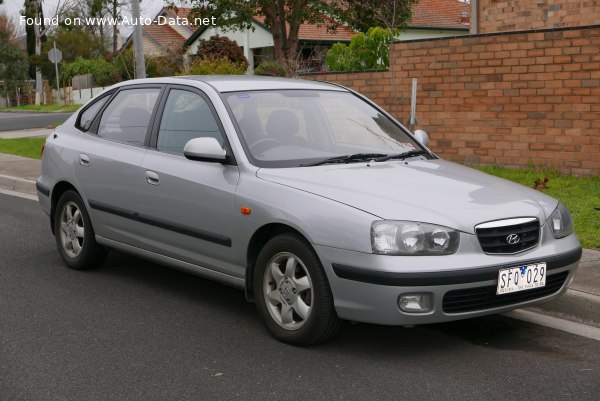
474	17
412	119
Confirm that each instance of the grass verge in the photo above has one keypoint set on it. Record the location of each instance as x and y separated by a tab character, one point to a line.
581	195
44	108
26	147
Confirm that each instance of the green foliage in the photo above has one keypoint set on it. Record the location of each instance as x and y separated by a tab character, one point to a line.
363	14
104	73
13	67
216	67
25	147
219	47
271	69
368	51
73	42
166	65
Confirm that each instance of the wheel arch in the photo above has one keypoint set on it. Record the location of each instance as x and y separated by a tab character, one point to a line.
60	188
258	240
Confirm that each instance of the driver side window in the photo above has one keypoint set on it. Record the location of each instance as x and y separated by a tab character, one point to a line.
187	115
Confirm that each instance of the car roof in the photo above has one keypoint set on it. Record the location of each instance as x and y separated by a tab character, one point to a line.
233	83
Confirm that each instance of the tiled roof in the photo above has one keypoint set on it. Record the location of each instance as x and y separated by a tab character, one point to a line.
441	14
181	12
319	31
164	35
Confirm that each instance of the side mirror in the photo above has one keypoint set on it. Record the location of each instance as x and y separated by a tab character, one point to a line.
422	137
204	149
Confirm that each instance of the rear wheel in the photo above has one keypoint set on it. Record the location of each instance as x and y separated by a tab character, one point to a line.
74	234
292	292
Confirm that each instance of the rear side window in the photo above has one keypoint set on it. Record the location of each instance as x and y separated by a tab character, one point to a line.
127	116
87	116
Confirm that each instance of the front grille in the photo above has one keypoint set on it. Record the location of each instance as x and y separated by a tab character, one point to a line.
482	298
496	239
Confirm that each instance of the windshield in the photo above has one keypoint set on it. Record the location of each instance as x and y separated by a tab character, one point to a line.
291	128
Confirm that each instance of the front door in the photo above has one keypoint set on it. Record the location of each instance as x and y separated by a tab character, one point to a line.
188	205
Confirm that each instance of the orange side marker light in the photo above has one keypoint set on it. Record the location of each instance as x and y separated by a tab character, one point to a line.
245	210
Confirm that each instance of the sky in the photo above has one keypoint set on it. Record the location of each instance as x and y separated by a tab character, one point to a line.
149	9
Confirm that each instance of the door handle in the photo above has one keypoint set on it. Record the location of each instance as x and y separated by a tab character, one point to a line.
152	178
84	160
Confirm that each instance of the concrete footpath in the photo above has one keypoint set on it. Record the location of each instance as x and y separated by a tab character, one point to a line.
580	303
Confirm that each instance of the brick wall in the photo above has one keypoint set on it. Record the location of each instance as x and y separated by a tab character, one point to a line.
518	15
510	99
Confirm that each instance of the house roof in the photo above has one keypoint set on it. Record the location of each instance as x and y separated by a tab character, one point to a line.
319	32
164	35
181	13
307	32
450	14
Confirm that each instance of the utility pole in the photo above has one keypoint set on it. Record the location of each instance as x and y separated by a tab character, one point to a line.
140	66
38	51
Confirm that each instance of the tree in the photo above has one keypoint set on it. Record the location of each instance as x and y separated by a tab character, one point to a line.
218	47
368	51
102	9
13	65
282	17
364	14
73	42
33	9
8	31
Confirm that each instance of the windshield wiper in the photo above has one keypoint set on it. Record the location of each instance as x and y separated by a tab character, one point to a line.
401	156
356	157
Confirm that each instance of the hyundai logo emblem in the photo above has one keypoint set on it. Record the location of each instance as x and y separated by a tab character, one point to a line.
513	239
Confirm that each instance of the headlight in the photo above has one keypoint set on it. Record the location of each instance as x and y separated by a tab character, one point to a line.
412	238
560	222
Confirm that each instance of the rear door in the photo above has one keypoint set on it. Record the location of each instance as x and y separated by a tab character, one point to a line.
108	165
188	205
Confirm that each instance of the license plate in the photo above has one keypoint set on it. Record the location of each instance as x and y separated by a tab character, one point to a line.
521	278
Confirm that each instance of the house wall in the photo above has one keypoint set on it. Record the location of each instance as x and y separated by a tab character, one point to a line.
413	33
257	38
517	15
151	48
510	99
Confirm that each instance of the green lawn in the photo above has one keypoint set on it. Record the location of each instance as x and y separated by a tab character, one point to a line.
580	195
44	108
26	147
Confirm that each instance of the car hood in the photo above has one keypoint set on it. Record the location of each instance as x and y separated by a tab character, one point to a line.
431	191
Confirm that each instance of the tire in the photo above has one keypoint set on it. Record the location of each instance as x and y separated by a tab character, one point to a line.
292	292
74	234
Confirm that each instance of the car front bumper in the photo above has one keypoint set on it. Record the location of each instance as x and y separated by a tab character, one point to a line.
367	287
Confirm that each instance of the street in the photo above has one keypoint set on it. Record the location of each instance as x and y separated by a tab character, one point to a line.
10	121
134	330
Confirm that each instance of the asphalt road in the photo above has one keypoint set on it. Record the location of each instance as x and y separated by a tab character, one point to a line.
133	330
25	120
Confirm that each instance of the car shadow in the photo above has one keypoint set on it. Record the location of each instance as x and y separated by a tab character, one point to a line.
230	309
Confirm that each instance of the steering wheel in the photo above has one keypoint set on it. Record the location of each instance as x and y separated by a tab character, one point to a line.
263	145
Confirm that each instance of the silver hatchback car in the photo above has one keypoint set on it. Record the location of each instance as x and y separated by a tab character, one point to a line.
309	197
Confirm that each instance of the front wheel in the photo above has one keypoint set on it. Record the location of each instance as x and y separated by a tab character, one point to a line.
75	237
292	292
